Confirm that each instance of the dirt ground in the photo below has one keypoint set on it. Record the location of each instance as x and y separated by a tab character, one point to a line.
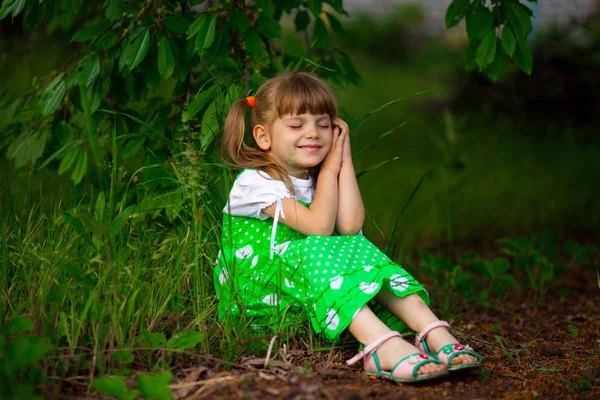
529	352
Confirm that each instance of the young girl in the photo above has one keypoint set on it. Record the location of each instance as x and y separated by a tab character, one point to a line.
292	243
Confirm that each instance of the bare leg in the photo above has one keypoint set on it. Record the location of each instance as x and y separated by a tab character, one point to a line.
367	328
417	315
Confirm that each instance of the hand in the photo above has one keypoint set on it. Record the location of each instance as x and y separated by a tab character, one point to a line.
333	161
340	126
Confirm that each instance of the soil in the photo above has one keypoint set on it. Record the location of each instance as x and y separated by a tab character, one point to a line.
529	352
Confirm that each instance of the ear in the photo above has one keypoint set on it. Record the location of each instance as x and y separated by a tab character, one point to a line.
261	136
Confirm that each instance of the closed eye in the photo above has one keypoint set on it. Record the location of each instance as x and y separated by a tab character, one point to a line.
324	126
295	126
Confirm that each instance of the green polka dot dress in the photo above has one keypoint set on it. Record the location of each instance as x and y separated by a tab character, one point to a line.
269	275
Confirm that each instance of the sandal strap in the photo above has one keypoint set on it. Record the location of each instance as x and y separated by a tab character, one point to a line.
371	348
409	365
423	334
447	353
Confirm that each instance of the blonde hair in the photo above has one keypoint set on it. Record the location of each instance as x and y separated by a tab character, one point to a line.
291	93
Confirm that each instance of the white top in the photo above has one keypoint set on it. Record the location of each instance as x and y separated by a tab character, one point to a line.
253	191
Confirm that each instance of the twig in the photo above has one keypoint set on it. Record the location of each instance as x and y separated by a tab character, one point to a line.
269	350
211	381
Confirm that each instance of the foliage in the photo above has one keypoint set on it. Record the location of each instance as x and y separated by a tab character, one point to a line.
564	88
497	30
157	74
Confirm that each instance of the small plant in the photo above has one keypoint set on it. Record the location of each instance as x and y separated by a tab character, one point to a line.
149	386
545	369
535	255
507	351
574	332
485	373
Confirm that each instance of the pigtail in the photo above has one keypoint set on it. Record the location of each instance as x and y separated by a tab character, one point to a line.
233	133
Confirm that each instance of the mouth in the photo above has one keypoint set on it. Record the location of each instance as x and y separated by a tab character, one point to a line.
310	148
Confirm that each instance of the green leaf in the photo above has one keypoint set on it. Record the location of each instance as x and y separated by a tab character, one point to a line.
100	206
198	103
519	18
220	46
523	57
457	10
67	160
504	283
495	70
155	387
195	27
90	72
71	7
479	21
470	63
113	386
185	341
486	52
123	356
77	226
509	42
336	25
13	7
16	325
266	7
55	99
268	27
320	35
238	21
253	44
80	168
500	265
90	31
135	52
210	125
315	7
117	223
26	351
114	10
302	20
154	340
206	34
166	59
177	24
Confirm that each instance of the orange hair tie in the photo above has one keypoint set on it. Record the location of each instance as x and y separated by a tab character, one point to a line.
251	101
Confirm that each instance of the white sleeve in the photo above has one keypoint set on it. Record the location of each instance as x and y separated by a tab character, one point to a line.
252	192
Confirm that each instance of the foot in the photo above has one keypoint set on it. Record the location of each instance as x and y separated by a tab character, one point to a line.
396	349
440	337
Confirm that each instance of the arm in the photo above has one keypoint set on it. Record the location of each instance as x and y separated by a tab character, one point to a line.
319	218
351	211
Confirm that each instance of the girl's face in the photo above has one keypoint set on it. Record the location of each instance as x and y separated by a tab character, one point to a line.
300	142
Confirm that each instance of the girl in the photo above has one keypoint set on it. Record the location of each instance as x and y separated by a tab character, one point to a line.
279	258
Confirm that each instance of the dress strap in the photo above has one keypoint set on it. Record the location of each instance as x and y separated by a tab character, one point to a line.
278	213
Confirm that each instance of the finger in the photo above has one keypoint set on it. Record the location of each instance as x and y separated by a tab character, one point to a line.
340	140
341	124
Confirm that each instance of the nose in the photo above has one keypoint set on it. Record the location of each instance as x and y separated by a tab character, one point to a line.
312	132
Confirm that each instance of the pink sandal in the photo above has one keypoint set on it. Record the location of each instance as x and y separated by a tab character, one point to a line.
447	353
404	371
